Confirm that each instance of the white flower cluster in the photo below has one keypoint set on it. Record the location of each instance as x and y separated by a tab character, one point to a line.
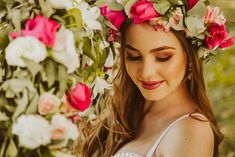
34	130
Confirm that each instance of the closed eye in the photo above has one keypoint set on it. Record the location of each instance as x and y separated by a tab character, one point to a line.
159	59
163	59
130	58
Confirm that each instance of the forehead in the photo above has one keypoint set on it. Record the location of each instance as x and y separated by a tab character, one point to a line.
143	36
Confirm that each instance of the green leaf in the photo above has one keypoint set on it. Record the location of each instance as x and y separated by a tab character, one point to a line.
3	38
109	24
9	108
62	76
3	117
102	59
22	103
128	6
195	25
114	5
45	152
3	147
199	10
162	6
46	8
51	72
100	3
124	2
33	106
175	2
2	6
1	74
74	16
87	49
33	66
3	101
43	75
12	149
16	17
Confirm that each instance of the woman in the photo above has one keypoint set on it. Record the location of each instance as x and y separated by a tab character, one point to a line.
160	106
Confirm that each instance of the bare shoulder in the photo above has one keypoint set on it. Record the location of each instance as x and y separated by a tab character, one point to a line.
189	137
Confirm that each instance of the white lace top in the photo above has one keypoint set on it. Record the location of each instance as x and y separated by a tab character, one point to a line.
154	147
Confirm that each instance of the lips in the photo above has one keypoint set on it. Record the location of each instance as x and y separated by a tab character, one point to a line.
151	84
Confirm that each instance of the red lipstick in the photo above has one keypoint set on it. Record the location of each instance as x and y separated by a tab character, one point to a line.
150	85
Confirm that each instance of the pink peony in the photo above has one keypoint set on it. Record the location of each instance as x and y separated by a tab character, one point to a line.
42	28
115	17
80	97
47	103
191	3
218	36
213	15
142	11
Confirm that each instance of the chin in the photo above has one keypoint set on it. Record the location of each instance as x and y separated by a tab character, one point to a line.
153	96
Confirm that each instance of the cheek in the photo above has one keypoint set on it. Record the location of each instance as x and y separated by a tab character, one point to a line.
131	69
174	72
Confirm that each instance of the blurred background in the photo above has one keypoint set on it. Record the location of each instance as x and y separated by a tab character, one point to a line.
220	79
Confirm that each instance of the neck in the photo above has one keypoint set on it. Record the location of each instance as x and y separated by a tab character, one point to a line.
176	102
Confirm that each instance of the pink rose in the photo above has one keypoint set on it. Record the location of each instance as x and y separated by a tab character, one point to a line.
80	97
213	15
159	24
58	133
218	36
176	18
63	129
48	103
227	43
191	3
42	28
142	11
115	17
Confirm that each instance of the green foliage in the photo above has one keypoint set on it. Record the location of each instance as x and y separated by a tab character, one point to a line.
220	78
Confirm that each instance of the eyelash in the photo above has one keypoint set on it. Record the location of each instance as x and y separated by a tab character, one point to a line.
157	58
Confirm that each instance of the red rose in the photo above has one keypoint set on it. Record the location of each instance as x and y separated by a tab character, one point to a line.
115	17
191	3
218	36
142	11
80	97
42	28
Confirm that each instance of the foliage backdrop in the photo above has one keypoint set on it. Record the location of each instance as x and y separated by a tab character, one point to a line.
220	79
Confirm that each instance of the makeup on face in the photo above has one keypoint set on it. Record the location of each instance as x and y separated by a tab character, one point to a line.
154	60
162	54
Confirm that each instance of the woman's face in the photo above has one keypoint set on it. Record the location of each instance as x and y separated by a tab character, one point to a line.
154	60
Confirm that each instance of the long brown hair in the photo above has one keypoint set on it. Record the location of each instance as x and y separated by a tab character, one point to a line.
124	110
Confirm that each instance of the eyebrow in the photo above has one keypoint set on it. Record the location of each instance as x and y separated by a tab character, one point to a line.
153	50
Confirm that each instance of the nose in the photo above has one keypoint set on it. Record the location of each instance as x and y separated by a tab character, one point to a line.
147	70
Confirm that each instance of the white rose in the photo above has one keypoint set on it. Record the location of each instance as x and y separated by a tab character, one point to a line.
63	128
32	130
27	47
61	4
89	16
64	50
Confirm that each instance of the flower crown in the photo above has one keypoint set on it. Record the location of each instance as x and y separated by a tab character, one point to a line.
203	23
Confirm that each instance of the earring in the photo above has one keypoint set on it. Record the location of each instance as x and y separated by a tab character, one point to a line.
190	71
